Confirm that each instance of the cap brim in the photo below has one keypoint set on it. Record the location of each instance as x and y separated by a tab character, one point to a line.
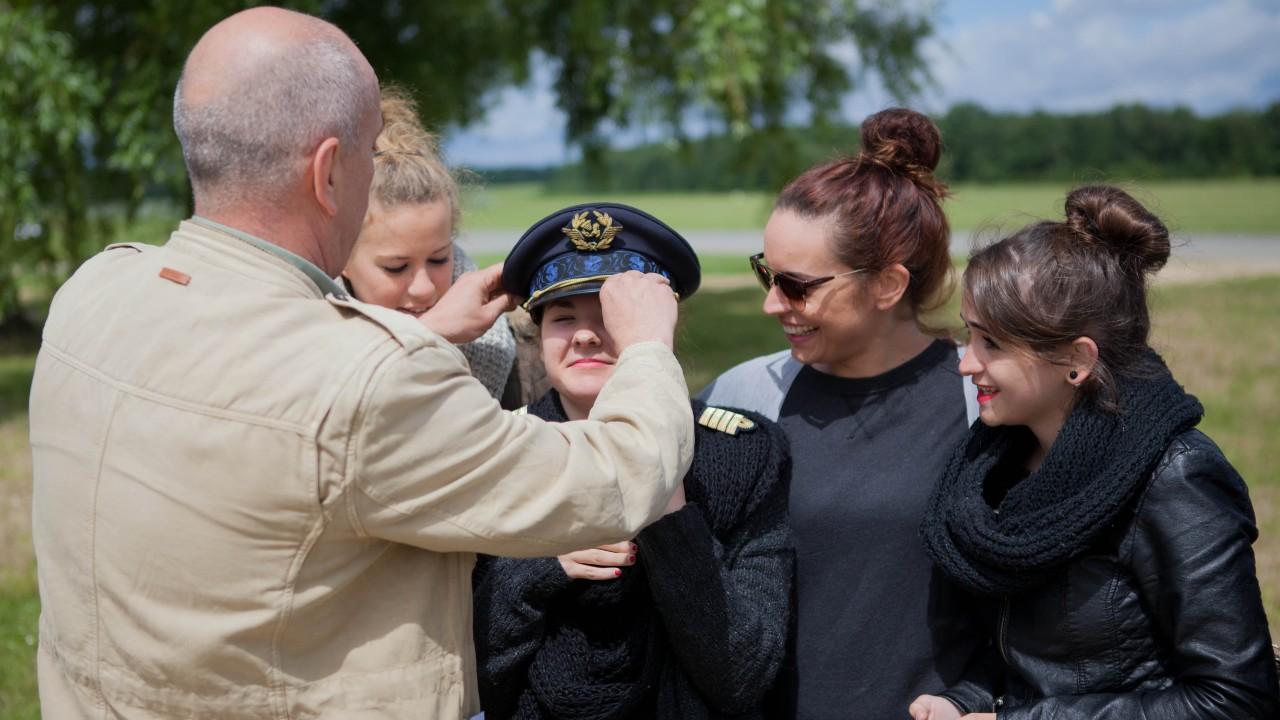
579	286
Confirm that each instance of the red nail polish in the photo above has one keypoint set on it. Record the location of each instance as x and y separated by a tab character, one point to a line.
617	573
632	559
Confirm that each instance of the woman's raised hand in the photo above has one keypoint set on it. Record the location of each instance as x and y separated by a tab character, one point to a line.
599	563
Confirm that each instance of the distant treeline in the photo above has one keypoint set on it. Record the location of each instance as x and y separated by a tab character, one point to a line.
1128	141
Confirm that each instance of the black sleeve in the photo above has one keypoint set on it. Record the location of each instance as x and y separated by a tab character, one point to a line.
511	598
726	612
975	692
1194	561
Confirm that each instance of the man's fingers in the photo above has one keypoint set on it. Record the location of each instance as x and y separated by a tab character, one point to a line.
492	277
499	303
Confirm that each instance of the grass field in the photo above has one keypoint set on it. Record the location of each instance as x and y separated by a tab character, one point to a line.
1188	206
1213	335
1247	206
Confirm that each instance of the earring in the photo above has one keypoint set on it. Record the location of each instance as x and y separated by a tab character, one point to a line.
1073	375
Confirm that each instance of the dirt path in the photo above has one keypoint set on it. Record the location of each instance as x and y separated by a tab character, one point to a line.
1196	257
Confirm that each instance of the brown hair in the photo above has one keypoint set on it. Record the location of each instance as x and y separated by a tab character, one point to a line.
408	166
1052	282
884	204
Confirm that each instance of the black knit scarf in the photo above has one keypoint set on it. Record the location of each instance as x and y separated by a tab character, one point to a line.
1097	467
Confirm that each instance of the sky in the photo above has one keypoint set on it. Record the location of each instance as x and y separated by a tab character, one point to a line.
1011	55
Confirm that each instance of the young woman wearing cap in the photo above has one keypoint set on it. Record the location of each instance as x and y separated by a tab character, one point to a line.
406	257
687	620
1112	537
855	252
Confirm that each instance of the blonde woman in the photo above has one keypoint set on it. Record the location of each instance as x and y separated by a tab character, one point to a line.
406	257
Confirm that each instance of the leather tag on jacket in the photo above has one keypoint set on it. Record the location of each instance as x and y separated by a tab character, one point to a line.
176	276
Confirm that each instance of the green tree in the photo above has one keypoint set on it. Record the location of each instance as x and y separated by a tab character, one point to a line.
46	103
748	65
86	101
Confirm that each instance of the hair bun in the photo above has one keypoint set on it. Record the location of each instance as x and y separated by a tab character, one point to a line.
1110	218
402	131
905	142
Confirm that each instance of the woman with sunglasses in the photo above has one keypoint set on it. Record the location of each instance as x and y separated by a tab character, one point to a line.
855	253
1109	537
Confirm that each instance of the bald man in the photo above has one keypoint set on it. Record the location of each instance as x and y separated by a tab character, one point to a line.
256	497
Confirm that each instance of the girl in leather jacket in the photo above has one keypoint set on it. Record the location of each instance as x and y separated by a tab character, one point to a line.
1112	538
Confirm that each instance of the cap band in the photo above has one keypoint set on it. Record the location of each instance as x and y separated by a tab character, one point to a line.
577	266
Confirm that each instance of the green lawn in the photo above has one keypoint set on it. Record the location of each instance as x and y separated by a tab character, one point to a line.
1215	336
19	610
1227	206
1246	206
19	605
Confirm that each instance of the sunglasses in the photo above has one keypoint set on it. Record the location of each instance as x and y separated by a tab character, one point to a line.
791	287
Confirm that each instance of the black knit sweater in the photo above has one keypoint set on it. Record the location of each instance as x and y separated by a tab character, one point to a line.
697	628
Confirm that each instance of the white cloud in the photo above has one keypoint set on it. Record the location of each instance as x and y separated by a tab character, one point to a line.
1091	54
1056	55
522	127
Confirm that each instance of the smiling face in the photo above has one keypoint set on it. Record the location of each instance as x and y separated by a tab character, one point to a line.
577	351
404	258
833	325
1015	387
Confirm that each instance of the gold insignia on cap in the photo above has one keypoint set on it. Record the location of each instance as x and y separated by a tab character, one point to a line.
726	421
591	235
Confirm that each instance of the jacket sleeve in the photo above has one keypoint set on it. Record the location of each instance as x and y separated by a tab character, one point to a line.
435	462
511	598
975	692
726	612
1193	558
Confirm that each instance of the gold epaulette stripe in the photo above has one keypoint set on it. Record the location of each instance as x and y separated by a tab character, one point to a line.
725	421
521	410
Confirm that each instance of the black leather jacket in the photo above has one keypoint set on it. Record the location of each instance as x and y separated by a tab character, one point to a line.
1163	620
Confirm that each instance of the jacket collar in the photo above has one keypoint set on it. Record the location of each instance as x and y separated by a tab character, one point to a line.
323	283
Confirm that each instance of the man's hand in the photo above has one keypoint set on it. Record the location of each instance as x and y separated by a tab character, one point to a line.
638	307
470	307
601	563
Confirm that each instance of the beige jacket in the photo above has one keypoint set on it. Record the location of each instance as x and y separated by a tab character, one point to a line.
254	502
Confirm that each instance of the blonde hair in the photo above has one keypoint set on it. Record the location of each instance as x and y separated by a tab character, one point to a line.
408	166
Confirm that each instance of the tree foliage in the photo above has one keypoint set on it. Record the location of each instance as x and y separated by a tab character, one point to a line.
46	102
85	102
1132	141
1127	141
746	66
